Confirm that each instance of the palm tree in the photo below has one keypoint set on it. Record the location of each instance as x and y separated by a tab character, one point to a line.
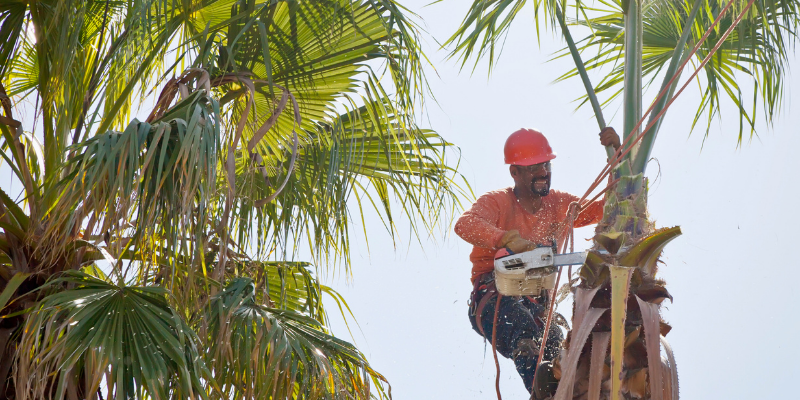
157	257
631	42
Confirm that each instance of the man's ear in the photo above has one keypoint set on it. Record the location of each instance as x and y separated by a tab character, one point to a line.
512	169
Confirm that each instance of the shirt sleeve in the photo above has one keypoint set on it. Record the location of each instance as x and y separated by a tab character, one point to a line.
478	225
591	214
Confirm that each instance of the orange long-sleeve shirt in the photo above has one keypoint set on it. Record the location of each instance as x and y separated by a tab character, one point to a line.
497	212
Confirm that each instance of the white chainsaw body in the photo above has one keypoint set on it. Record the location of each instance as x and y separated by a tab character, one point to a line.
530	272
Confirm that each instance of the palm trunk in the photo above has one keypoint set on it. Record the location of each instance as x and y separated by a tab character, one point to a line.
617	300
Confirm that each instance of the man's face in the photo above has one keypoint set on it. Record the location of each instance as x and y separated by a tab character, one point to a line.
536	177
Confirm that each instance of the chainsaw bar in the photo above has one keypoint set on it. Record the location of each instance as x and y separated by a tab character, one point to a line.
569	259
538	258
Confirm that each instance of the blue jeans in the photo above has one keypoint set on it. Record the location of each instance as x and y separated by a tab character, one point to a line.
520	323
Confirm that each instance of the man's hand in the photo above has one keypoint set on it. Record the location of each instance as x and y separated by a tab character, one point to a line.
609	137
514	242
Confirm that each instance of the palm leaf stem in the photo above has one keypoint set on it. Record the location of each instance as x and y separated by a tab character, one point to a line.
631	141
11	131
587	84
679	55
632	92
620	285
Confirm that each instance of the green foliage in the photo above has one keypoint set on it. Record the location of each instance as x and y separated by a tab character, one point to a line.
756	53
272	127
125	338
751	61
260	352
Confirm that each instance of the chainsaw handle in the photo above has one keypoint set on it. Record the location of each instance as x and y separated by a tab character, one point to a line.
503	252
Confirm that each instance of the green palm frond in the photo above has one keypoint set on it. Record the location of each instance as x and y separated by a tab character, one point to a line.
487	23
755	53
122	340
258	352
315	50
162	172
23	74
357	155
491	20
12	19
275	122
292	286
286	285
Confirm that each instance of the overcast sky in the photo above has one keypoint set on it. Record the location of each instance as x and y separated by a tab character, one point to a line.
732	273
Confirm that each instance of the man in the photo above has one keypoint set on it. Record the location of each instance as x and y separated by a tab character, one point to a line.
521	218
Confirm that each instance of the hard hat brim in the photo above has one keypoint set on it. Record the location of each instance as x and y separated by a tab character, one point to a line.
533	160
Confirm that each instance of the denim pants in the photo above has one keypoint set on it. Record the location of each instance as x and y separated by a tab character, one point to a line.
520	324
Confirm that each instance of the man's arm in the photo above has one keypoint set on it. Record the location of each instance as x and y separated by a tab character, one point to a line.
478	225
591	214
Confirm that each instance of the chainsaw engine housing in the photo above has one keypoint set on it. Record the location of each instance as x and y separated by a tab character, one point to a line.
525	274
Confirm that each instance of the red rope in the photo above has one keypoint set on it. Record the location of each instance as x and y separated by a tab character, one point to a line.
494	345
602	192
570	239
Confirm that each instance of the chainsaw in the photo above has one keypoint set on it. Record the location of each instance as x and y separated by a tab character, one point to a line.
530	272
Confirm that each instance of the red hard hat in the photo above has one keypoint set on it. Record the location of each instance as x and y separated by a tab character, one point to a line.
528	147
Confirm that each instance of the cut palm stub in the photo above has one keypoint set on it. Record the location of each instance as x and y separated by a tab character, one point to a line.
613	350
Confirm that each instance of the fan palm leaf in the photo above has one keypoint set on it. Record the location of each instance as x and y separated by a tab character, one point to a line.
270	118
124	340
757	51
487	23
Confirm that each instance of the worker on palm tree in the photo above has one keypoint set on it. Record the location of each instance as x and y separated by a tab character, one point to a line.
521	218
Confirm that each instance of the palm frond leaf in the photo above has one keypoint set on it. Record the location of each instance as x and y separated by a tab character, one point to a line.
259	352
124	340
756	53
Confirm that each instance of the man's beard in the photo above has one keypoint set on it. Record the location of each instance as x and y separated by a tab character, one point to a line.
543	187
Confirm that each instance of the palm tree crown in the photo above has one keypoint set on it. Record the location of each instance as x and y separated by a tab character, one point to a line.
153	257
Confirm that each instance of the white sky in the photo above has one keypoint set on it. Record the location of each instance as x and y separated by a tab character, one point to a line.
731	273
